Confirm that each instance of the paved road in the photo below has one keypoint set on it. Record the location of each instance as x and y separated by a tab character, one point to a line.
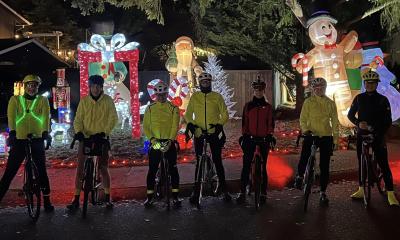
281	218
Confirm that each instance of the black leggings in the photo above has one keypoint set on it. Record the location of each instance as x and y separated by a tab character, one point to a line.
216	151
380	149
249	147
154	161
325	150
17	156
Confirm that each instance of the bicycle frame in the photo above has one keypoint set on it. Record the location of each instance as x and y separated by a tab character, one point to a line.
164	181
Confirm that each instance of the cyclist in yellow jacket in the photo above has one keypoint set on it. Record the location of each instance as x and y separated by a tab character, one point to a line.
96	116
318	117
28	114
160	125
207	111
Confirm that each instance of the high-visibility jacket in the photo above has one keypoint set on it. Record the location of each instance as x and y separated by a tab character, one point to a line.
95	116
205	109
319	115
161	121
28	116
257	118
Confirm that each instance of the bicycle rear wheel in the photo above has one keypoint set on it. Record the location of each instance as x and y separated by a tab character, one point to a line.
366	179
32	191
87	185
308	181
201	177
257	181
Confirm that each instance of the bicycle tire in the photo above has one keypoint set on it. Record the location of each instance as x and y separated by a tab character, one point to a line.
167	184
365	179
201	178
210	174
381	184
87	185
308	181
32	191
257	181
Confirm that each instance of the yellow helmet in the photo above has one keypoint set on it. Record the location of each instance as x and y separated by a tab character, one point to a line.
370	76
32	78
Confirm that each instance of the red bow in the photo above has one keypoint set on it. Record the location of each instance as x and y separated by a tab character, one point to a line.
332	46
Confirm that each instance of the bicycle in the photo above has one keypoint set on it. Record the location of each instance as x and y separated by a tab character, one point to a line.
163	177
91	181
370	171
31	187
309	174
206	174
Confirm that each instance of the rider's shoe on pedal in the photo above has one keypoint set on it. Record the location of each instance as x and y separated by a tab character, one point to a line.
359	194
218	190
227	197
392	199
74	204
48	207
241	198
298	182
149	201
194	199
323	200
177	202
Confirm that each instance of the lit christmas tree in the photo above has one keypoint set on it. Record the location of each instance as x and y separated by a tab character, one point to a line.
219	82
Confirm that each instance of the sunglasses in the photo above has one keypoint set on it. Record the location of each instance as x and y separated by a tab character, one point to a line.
32	84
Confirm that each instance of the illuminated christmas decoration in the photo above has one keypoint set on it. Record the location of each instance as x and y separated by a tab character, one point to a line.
327	60
116	51
60	127
18	89
3	145
219	82
373	57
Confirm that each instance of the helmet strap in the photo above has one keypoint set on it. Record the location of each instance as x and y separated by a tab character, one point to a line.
205	89
96	98
29	97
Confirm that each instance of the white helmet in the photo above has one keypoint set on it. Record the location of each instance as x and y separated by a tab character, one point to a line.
205	75
160	87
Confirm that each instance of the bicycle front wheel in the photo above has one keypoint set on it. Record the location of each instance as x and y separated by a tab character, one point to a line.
257	181
366	179
87	185
32	191
308	182
167	183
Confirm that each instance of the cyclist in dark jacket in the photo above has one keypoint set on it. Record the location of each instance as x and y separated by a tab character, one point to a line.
373	110
257	121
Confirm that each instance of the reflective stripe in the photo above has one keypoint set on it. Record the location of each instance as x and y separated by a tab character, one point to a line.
150	191
175	190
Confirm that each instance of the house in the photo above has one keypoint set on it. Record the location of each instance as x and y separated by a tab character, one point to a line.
10	22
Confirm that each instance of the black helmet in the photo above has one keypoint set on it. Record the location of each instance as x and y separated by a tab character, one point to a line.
96	79
258	83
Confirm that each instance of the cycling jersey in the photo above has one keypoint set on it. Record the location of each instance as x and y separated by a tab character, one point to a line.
161	121
28	116
205	109
257	118
319	115
95	116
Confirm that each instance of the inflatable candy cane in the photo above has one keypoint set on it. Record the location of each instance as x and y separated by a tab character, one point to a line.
180	81
150	88
296	58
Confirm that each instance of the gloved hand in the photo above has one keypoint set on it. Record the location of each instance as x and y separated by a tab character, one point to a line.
272	141
307	133
79	136
218	128
47	137
12	137
191	127
155	144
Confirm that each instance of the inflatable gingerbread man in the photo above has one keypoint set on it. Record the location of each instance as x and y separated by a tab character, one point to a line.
327	60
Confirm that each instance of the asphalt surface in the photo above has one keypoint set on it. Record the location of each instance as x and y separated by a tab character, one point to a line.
281	218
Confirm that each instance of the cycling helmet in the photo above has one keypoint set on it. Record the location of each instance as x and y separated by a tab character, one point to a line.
32	78
96	79
370	76
258	83
160	87
317	81
204	76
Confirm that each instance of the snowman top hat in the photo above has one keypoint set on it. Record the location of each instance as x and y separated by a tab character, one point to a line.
318	15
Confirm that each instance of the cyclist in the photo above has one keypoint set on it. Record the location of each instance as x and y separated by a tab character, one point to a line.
160	124
318	117
96	116
207	111
373	109
28	114
257	121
